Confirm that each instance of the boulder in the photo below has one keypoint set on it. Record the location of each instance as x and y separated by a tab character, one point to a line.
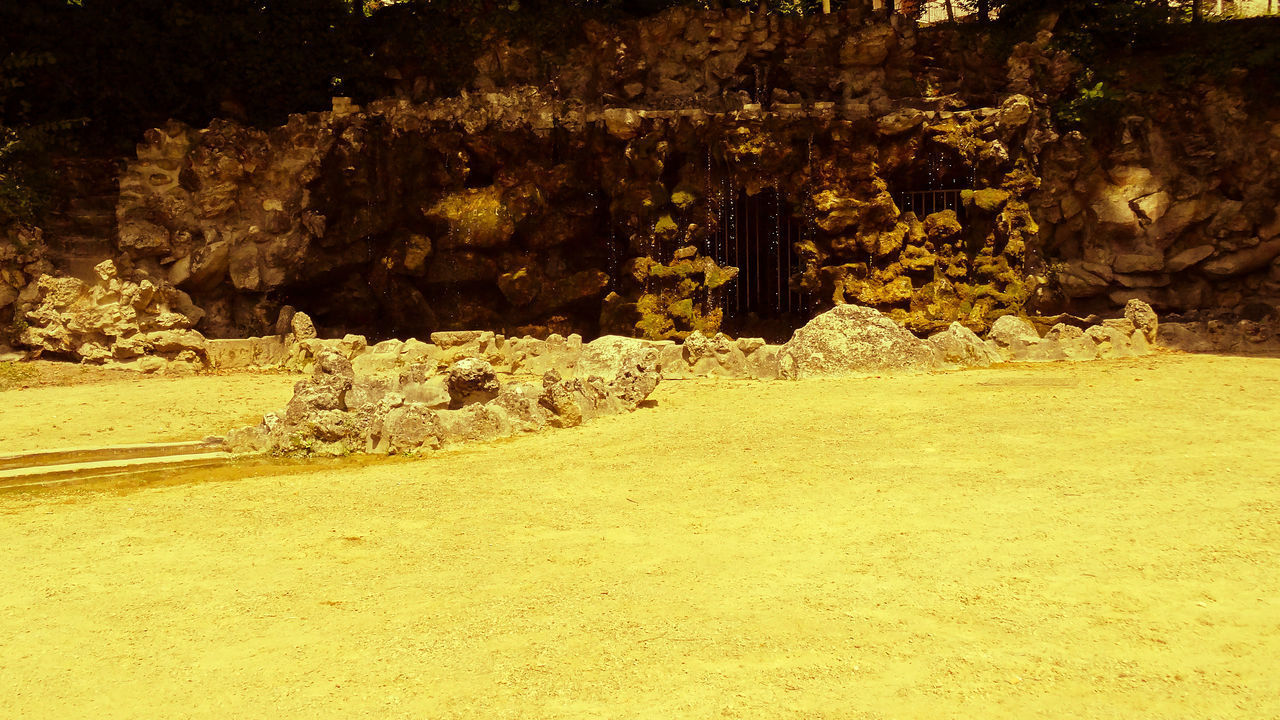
477	422
323	392
717	356
1187	337
332	362
301	326
421	383
1111	339
1011	329
1016	339
471	380
608	355
521	401
851	340
562	398
367	393
762	362
958	345
410	427
1243	261
1071	342
1144	319
633	386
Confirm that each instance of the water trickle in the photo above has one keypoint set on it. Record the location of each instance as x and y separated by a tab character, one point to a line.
775	248
613	254
706	199
737	244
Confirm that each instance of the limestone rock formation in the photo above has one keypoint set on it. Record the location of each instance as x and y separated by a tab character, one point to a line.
850	340
1013	336
958	346
471	380
22	260
612	355
114	318
336	411
598	191
1143	318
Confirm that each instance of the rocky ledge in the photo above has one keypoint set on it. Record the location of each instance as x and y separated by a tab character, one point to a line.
382	404
336	411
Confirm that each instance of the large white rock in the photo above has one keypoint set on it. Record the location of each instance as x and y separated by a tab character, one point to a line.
852	340
608	355
958	345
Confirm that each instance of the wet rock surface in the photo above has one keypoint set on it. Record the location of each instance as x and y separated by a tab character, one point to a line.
603	202
606	188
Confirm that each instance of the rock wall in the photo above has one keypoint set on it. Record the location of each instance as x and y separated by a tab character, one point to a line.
595	191
410	396
114	318
550	209
22	260
1175	202
1182	210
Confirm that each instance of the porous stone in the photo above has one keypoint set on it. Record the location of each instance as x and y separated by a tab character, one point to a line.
116	316
410	427
1011	329
470	381
302	327
1072	342
717	356
850	340
608	355
1143	318
960	346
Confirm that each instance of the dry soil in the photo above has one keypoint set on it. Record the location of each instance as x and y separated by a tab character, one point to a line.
1091	540
47	406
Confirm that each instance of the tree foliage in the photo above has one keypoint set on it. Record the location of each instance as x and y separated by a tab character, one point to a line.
126	65
24	168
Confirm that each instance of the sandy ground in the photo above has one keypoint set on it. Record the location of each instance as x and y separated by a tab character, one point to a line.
59	405
1096	540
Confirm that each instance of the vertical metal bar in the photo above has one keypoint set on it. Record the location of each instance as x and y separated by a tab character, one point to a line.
748	209
777	248
784	263
737	255
745	233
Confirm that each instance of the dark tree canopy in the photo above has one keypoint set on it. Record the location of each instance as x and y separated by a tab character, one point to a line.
125	65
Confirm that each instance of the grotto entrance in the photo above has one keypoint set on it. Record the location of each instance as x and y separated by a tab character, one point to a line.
935	181
757	234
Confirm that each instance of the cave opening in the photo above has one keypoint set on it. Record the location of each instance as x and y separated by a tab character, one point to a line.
757	234
932	183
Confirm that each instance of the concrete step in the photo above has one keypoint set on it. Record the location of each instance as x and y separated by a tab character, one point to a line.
63	456
70	240
81	267
46	468
79	472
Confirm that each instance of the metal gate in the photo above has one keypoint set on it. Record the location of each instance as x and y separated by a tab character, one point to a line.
757	234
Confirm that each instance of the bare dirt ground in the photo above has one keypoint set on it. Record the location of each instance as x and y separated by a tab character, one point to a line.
1092	540
48	405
